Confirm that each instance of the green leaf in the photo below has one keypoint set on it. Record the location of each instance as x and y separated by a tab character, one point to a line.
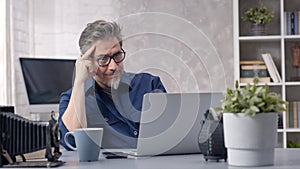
258	15
252	99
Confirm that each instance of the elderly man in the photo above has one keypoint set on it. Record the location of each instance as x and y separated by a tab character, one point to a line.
103	94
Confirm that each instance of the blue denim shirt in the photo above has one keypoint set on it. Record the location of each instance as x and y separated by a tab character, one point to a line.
118	113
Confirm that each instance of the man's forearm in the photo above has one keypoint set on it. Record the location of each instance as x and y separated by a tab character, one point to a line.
75	115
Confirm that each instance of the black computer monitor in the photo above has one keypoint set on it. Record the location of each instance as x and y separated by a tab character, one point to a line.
45	80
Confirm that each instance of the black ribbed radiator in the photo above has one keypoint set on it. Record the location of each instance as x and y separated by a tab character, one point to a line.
20	136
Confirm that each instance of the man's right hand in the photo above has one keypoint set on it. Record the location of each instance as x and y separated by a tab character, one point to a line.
85	66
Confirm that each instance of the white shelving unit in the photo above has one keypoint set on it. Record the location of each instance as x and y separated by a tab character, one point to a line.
278	44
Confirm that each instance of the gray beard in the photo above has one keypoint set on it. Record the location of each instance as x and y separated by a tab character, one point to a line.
114	84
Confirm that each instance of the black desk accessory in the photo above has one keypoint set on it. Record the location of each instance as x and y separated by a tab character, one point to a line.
114	155
19	136
211	137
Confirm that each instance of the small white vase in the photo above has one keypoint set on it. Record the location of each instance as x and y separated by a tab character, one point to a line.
250	140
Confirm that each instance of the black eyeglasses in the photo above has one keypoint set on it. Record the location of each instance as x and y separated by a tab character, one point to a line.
104	60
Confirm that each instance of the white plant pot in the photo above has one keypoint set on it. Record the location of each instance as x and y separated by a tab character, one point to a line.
250	140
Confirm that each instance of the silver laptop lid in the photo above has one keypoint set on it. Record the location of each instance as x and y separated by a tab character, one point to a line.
170	122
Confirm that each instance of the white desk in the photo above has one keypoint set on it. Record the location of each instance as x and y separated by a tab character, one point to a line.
284	159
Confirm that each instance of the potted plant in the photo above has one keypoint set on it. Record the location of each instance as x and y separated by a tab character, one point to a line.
250	124
259	17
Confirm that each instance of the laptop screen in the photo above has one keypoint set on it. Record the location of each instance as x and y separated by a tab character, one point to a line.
171	122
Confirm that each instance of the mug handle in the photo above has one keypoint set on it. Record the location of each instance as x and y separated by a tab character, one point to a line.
67	142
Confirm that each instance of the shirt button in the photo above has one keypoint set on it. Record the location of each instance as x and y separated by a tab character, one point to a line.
106	119
135	133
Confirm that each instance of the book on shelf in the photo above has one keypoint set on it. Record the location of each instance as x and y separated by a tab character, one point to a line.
250	79
287	118
280	121
295	23
298	104
252	62
293	114
249	67
291	22
273	71
298	22
288	23
254	71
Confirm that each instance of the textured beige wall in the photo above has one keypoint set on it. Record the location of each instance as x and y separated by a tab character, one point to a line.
188	43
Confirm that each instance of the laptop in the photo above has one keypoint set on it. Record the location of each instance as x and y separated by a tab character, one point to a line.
170	122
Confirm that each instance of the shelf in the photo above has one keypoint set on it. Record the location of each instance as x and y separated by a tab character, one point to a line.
260	38
292	83
279	45
280	130
292	37
292	130
262	84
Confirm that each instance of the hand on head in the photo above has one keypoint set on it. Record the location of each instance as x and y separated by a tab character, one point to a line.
85	66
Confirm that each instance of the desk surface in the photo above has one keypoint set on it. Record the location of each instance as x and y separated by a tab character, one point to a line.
284	159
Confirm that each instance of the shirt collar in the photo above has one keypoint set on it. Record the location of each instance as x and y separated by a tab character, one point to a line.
126	79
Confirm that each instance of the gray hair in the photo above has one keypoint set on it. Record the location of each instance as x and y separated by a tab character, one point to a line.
99	30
